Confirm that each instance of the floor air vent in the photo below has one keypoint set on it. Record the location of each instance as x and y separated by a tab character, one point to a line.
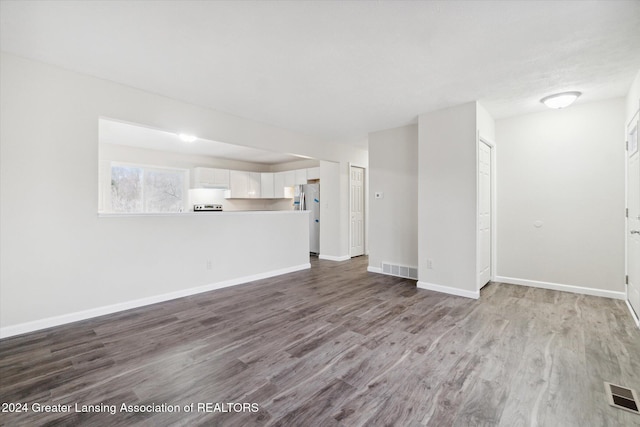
400	271
622	397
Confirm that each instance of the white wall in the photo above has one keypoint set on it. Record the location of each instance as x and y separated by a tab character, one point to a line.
62	258
633	99
330	214
105	264
447	200
393	220
485	123
564	168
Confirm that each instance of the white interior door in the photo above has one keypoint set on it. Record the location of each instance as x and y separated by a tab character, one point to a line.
484	213
633	221
357	211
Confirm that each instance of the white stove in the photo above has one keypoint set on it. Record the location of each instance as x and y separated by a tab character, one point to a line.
207	208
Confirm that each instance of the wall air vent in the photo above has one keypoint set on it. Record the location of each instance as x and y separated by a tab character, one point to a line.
622	397
400	271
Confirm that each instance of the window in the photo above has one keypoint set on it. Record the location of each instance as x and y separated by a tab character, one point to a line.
146	189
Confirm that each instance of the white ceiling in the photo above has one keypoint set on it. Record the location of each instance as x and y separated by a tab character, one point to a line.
116	132
338	70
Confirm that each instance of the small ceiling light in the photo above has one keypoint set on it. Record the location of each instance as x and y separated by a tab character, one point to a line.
560	100
186	138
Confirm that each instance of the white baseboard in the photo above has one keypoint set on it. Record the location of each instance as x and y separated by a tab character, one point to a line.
49	322
449	290
561	287
334	258
633	314
374	270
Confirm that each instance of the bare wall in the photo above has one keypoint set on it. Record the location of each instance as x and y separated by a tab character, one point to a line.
393	219
447	200
633	99
561	196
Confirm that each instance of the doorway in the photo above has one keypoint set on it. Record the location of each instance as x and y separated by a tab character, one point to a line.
485	211
633	217
356	211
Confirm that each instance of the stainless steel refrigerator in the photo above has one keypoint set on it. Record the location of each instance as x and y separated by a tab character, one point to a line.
307	198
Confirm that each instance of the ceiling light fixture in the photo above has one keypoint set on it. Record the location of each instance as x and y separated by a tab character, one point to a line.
186	138
560	100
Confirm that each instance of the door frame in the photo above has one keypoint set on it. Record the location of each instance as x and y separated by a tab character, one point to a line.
480	139
635	118
364	207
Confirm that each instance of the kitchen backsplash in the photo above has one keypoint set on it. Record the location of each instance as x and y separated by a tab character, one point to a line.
216	196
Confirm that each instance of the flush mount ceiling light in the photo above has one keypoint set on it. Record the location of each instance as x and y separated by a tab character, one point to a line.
560	100
186	138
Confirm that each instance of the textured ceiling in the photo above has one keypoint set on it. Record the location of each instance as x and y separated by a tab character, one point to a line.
339	70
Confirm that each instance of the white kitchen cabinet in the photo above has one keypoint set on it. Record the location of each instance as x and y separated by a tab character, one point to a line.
253	185
238	184
267	181
278	185
210	178
289	178
282	182
313	173
244	185
300	176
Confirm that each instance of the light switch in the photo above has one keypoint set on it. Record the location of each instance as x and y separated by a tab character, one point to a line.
379	195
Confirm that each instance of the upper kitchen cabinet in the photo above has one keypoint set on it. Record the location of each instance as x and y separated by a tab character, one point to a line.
300	176
278	185
210	178
282	181
267	180
313	173
244	185
289	178
254	180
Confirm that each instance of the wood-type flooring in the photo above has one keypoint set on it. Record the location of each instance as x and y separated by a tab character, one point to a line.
333	346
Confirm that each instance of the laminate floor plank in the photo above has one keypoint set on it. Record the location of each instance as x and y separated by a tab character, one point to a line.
483	404
398	408
358	408
313	370
503	358
316	410
335	346
367	369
